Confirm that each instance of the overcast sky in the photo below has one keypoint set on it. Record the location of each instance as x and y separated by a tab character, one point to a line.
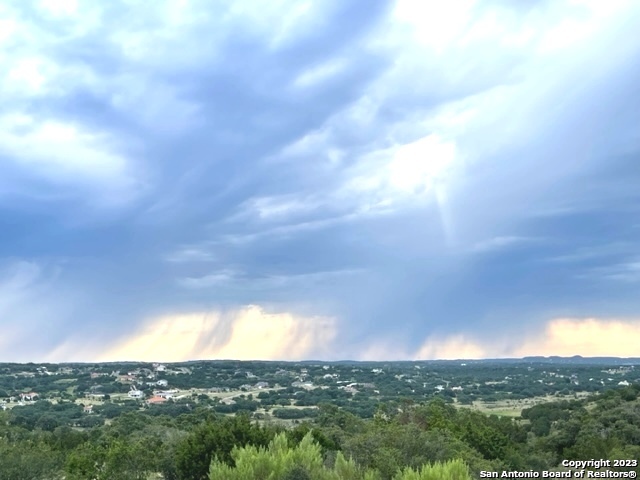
336	179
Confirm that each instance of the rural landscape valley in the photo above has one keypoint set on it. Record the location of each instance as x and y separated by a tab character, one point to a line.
175	420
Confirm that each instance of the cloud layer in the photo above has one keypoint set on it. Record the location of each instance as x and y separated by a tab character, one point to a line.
355	181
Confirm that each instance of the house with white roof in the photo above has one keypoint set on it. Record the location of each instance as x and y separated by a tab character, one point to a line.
135	393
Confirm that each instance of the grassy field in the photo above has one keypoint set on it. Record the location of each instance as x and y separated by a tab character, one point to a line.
513	408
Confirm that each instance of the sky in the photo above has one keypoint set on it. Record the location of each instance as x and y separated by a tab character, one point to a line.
345	179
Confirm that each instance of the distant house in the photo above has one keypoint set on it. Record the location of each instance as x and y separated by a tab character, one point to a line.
305	385
135	393
262	385
162	383
156	400
88	409
29	397
623	383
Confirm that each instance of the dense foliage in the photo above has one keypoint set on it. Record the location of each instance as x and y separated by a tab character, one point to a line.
280	460
403	440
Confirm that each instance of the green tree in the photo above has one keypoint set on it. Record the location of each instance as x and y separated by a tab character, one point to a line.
28	460
85	462
452	470
216	439
280	461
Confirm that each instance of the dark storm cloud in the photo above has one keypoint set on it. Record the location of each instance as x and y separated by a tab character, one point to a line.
183	158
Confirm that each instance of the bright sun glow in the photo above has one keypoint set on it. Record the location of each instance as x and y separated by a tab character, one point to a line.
435	24
418	165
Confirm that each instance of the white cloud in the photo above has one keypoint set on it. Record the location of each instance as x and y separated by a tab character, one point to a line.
67	154
417	166
296	227
278	207
589	337
221	277
28	76
596	252
228	277
434	24
387	180
487	66
503	242
628	271
29	47
59	8
249	333
319	74
451	348
155	105
191	254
